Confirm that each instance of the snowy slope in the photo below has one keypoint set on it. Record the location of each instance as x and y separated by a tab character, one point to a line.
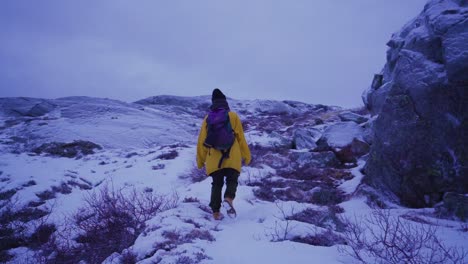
150	146
110	123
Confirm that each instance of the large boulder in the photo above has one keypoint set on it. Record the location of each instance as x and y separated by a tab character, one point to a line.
345	139
419	142
339	135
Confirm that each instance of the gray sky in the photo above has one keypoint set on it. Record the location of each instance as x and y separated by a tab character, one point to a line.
316	51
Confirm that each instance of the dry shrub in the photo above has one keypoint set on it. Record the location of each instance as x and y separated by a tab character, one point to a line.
327	196
110	221
191	200
158	167
46	195
195	174
128	257
6	195
174	238
22	226
191	221
324	239
169	155
198	257
382	238
29	183
77	148
283	223
323	218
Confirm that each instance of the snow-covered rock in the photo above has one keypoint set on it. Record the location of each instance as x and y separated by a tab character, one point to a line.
346	139
419	144
274	107
340	135
350	116
306	138
315	159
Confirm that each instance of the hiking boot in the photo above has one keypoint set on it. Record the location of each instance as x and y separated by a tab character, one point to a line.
228	200
217	216
228	204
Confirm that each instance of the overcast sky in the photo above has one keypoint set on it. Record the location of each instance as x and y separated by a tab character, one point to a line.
316	51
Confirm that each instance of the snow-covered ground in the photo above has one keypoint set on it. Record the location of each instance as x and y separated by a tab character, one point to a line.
154	149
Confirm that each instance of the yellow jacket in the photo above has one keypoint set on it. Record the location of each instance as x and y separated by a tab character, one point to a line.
210	157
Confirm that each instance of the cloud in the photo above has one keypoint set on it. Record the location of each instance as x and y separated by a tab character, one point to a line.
315	51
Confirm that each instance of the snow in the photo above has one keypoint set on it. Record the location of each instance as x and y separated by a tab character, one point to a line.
349	187
342	134
261	138
248	234
127	161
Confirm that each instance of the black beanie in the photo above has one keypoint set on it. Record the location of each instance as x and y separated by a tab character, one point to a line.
217	94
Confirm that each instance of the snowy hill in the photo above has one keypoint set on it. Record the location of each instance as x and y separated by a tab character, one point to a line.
110	123
138	198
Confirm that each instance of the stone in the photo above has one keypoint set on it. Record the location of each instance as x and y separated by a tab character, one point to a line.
419	134
305	138
351	152
315	159
453	204
350	116
339	135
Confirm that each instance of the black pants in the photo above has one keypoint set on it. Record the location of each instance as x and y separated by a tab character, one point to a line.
217	186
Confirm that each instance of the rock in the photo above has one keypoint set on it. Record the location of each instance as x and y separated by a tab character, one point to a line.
339	135
305	138
455	52
350	116
318	121
315	159
453	204
368	127
279	140
421	117
351	152
374	99
274	107
274	160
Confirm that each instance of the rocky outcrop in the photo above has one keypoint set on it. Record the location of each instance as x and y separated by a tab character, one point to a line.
420	100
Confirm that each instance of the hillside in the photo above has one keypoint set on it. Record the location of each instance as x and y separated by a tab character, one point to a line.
140	157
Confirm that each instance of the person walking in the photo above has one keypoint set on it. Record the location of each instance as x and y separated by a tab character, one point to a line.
221	149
